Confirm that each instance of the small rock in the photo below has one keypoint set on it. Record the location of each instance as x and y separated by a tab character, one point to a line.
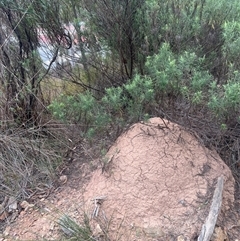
63	179
180	238
98	231
26	205
12	204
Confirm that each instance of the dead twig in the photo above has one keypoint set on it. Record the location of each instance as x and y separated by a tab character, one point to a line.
209	225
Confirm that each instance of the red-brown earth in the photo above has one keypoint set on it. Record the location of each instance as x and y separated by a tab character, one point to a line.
155	183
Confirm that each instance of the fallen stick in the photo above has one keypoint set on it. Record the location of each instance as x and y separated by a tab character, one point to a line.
209	225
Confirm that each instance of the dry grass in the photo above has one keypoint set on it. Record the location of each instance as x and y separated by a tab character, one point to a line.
27	165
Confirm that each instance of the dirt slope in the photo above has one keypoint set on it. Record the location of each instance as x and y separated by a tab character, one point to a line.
156	183
159	180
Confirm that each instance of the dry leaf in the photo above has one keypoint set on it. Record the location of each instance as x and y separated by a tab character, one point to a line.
4	215
220	235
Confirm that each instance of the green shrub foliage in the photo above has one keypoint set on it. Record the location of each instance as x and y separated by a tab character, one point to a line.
117	107
192	55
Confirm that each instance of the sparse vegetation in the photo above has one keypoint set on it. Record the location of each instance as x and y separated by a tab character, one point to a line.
75	231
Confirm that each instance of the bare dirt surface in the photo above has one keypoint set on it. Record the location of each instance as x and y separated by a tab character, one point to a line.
155	183
158	181
40	221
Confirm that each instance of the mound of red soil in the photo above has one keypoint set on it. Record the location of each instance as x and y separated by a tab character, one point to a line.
157	183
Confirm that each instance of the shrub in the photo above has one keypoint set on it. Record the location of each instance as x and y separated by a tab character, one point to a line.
119	106
179	75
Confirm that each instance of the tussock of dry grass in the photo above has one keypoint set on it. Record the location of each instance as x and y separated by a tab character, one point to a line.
27	165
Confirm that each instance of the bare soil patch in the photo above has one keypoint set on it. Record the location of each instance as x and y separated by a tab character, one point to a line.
157	182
